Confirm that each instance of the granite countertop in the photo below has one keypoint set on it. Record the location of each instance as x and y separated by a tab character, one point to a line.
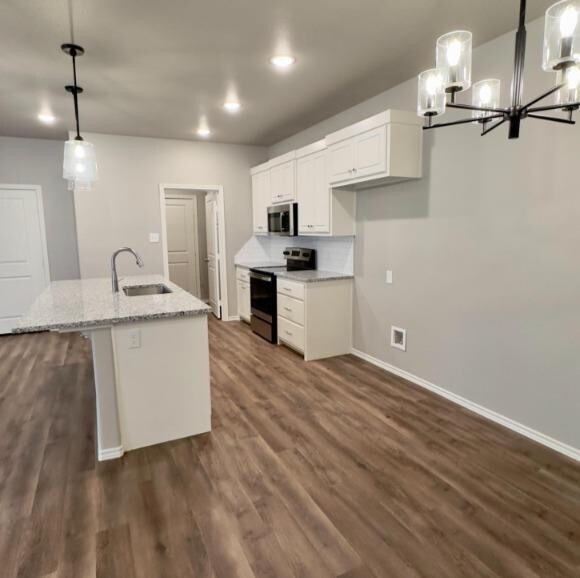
312	276
248	265
88	303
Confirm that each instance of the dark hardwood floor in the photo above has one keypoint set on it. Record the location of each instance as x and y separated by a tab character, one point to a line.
320	470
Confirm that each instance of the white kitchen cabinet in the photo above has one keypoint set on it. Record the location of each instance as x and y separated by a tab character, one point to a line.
321	211
315	319
383	149
243	286
283	178
261	197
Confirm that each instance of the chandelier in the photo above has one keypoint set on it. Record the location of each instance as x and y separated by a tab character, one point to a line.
452	74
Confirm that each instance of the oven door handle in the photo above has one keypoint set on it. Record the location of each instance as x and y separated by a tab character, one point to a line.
261	277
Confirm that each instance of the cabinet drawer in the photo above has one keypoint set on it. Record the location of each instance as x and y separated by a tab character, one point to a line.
291	288
243	274
291	333
291	309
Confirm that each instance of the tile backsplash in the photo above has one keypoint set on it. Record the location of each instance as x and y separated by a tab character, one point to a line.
332	253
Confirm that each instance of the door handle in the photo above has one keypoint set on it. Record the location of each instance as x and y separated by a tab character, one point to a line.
207	259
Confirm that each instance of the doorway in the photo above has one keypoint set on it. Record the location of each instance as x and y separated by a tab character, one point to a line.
193	242
23	253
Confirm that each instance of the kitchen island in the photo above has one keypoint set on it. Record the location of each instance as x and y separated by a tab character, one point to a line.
150	356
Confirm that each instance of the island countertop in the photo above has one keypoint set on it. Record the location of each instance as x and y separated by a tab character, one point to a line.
88	303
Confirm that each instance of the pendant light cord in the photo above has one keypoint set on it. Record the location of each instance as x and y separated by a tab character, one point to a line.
73	50
75	95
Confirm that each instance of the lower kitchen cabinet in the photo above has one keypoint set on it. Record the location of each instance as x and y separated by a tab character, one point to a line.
243	284
315	319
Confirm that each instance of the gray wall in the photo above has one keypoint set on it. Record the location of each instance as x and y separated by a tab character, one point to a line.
123	208
26	161
485	255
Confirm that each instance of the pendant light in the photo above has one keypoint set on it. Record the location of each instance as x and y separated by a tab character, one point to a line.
79	166
452	76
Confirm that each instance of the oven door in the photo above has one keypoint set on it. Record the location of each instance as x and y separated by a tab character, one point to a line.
263	296
281	220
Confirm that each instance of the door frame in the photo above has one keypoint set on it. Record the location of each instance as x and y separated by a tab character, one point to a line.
37	190
219	190
185	196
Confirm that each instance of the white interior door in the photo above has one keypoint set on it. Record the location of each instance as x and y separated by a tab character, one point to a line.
213	253
182	250
23	258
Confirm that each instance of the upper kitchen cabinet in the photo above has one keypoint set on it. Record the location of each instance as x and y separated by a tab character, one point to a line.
283	178
261	197
383	149
321	210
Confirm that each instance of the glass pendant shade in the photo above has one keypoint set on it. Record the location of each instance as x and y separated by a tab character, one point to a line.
431	95
454	60
569	94
79	166
485	94
562	35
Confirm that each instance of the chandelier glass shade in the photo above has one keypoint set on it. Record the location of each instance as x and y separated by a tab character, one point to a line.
453	68
454	60
562	35
485	93
79	166
431	93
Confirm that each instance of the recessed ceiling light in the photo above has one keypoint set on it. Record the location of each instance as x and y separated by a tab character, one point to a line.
232	105
282	61
46	118
203	132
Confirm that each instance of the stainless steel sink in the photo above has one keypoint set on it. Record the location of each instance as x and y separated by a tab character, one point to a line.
156	289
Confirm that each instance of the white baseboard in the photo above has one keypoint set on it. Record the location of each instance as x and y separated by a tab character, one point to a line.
233	318
522	429
111	453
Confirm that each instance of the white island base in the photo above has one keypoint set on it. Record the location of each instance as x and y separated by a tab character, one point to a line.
151	382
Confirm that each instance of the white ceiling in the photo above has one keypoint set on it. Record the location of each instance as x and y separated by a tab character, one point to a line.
154	67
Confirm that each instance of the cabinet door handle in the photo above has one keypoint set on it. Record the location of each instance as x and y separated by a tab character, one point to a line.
287	309
288	289
287	332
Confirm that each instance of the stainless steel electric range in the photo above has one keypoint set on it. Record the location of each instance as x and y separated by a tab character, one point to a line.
263	291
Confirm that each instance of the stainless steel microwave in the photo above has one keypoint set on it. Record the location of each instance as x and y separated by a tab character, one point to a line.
283	220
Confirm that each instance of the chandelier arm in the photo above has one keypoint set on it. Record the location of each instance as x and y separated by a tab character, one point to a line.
544	95
551	118
479	108
493	126
572	105
463	121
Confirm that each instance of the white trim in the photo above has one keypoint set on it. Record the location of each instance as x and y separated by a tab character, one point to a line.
219	190
111	453
233	318
522	429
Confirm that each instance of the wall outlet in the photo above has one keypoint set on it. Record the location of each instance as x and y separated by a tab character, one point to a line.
389	277
154	237
399	338
134	339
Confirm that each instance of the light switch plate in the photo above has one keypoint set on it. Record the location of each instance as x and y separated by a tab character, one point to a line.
154	237
389	277
134	339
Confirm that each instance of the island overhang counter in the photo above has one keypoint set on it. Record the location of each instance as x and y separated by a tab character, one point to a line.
150	357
